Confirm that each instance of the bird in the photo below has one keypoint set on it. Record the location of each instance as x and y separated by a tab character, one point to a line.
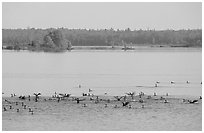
172	82
30	110
5	109
116	106
200	97
156	85
165	101
36	96
84	105
90	90
187	82
155	94
194	101
78	100
118	98
125	103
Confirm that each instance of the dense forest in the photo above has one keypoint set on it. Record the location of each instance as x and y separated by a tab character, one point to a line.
63	39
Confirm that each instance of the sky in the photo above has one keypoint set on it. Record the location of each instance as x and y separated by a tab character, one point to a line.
118	15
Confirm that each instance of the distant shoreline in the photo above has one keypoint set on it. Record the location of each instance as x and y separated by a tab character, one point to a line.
121	48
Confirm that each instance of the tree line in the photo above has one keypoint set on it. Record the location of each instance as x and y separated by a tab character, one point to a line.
63	38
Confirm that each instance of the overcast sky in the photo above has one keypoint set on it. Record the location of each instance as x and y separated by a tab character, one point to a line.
103	15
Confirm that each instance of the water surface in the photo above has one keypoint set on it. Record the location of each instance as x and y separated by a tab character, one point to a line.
114	72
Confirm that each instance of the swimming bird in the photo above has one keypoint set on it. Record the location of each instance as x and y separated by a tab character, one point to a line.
187	82
200	97
155	94
157	82
129	106
10	107
90	90
167	94
172	82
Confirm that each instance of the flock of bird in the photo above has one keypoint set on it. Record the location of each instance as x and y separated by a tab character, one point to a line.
125	100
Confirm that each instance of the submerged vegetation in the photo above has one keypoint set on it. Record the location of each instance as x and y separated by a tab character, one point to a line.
62	39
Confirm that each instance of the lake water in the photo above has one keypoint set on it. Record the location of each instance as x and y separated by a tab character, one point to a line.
113	72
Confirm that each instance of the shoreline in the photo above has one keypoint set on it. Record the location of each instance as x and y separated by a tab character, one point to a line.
119	48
